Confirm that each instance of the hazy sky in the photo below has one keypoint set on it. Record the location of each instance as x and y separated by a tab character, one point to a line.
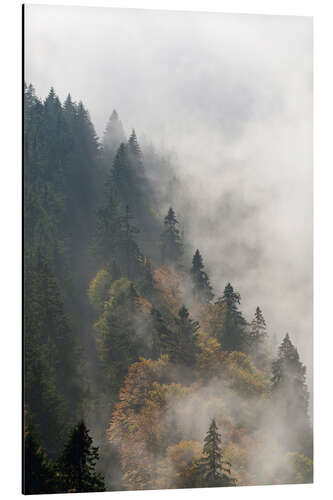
231	95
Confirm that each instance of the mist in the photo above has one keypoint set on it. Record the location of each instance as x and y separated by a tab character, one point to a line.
230	96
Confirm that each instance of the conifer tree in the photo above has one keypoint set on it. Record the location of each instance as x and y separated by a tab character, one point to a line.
212	469
133	147
171	244
164	338
77	463
187	346
291	399
202	289
113	136
232	335
289	381
258	333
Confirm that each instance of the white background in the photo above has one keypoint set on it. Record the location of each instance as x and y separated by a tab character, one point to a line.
10	213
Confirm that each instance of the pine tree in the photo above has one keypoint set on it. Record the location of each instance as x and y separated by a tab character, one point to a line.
187	345
133	147
113	136
212	469
258	333
291	397
232	336
171	244
129	250
289	381
164	338
202	289
77	463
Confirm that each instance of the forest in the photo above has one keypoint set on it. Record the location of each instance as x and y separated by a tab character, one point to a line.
137	373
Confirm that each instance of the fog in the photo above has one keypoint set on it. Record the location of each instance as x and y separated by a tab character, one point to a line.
230	96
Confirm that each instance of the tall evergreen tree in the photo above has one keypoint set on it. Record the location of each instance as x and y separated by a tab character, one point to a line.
232	335
258	333
171	244
77	463
212	469
291	397
164	338
187	344
289	381
201	289
51	361
114	135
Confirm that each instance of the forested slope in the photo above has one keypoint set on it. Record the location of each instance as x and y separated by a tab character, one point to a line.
124	335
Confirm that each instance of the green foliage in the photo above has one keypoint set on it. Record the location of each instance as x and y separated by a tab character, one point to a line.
186	349
77	463
232	335
212	469
258	333
291	397
98	289
171	244
113	136
201	289
119	342
288	381
50	391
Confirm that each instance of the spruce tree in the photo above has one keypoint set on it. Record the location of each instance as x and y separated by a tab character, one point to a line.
289	381
201	289
291	397
77	463
258	332
164	338
187	345
113	136
212	469
133	147
171	244
232	335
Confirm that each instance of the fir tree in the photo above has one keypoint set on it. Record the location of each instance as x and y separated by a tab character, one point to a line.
113	136
133	146
171	244
291	397
202	289
232	335
164	338
289	381
187	345
77	463
212	469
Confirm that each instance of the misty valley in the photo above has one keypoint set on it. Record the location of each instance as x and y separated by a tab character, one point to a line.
138	373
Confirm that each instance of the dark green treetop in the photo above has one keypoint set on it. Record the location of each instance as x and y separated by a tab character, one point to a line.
77	463
212	469
201	289
233	333
187	344
289	379
171	244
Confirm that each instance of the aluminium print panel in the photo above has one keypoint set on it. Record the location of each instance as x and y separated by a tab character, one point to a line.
167	250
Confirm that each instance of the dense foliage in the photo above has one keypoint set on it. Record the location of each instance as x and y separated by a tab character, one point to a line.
122	330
